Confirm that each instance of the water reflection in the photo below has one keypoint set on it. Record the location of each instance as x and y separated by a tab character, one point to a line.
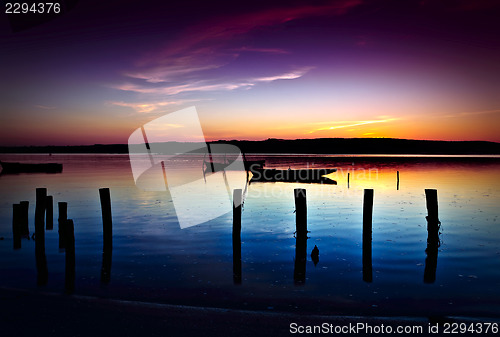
146	232
299	270
69	280
106	265
237	203
433	244
367	235
315	255
367	254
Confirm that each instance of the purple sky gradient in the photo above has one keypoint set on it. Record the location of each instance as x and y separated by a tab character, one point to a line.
292	69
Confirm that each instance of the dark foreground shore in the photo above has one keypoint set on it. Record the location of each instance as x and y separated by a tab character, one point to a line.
24	313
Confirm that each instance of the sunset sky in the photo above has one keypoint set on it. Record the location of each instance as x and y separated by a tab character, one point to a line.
255	70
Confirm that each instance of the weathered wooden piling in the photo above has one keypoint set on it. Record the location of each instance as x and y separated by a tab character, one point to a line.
16	225
49	212
432	204
348	176
367	235
107	221
367	211
61	221
41	260
69	241
41	195
433	242
397	177
300	211
25	230
237	200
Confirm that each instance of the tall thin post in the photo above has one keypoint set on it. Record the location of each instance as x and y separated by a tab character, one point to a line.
431	203
300	211
397	184
41	260
348	175
237	200
16	225
368	209
106	218
61	221
25	230
49	215
367	235
299	270
41	194
433	242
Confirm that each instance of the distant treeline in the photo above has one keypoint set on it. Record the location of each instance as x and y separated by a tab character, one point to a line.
306	146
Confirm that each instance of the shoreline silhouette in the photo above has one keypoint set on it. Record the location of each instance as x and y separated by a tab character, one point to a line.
299	146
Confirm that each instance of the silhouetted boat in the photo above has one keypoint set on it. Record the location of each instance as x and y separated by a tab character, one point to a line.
217	167
8	167
293	176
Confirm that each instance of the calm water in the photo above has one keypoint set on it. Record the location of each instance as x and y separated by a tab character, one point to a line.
153	259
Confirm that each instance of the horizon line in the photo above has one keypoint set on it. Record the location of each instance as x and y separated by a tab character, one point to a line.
261	140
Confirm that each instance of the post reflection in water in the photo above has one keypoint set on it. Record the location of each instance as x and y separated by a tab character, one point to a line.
237	200
299	270
433	244
106	265
367	255
70	256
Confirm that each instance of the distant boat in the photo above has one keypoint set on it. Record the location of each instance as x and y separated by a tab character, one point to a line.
217	167
293	176
9	168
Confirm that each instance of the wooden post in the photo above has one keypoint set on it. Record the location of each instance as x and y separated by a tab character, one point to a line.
25	230
367	211
300	212
49	215
348	174
69	240
41	260
61	221
433	242
367	235
237	200
107	221
16	225
397	185
432	203
41	194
